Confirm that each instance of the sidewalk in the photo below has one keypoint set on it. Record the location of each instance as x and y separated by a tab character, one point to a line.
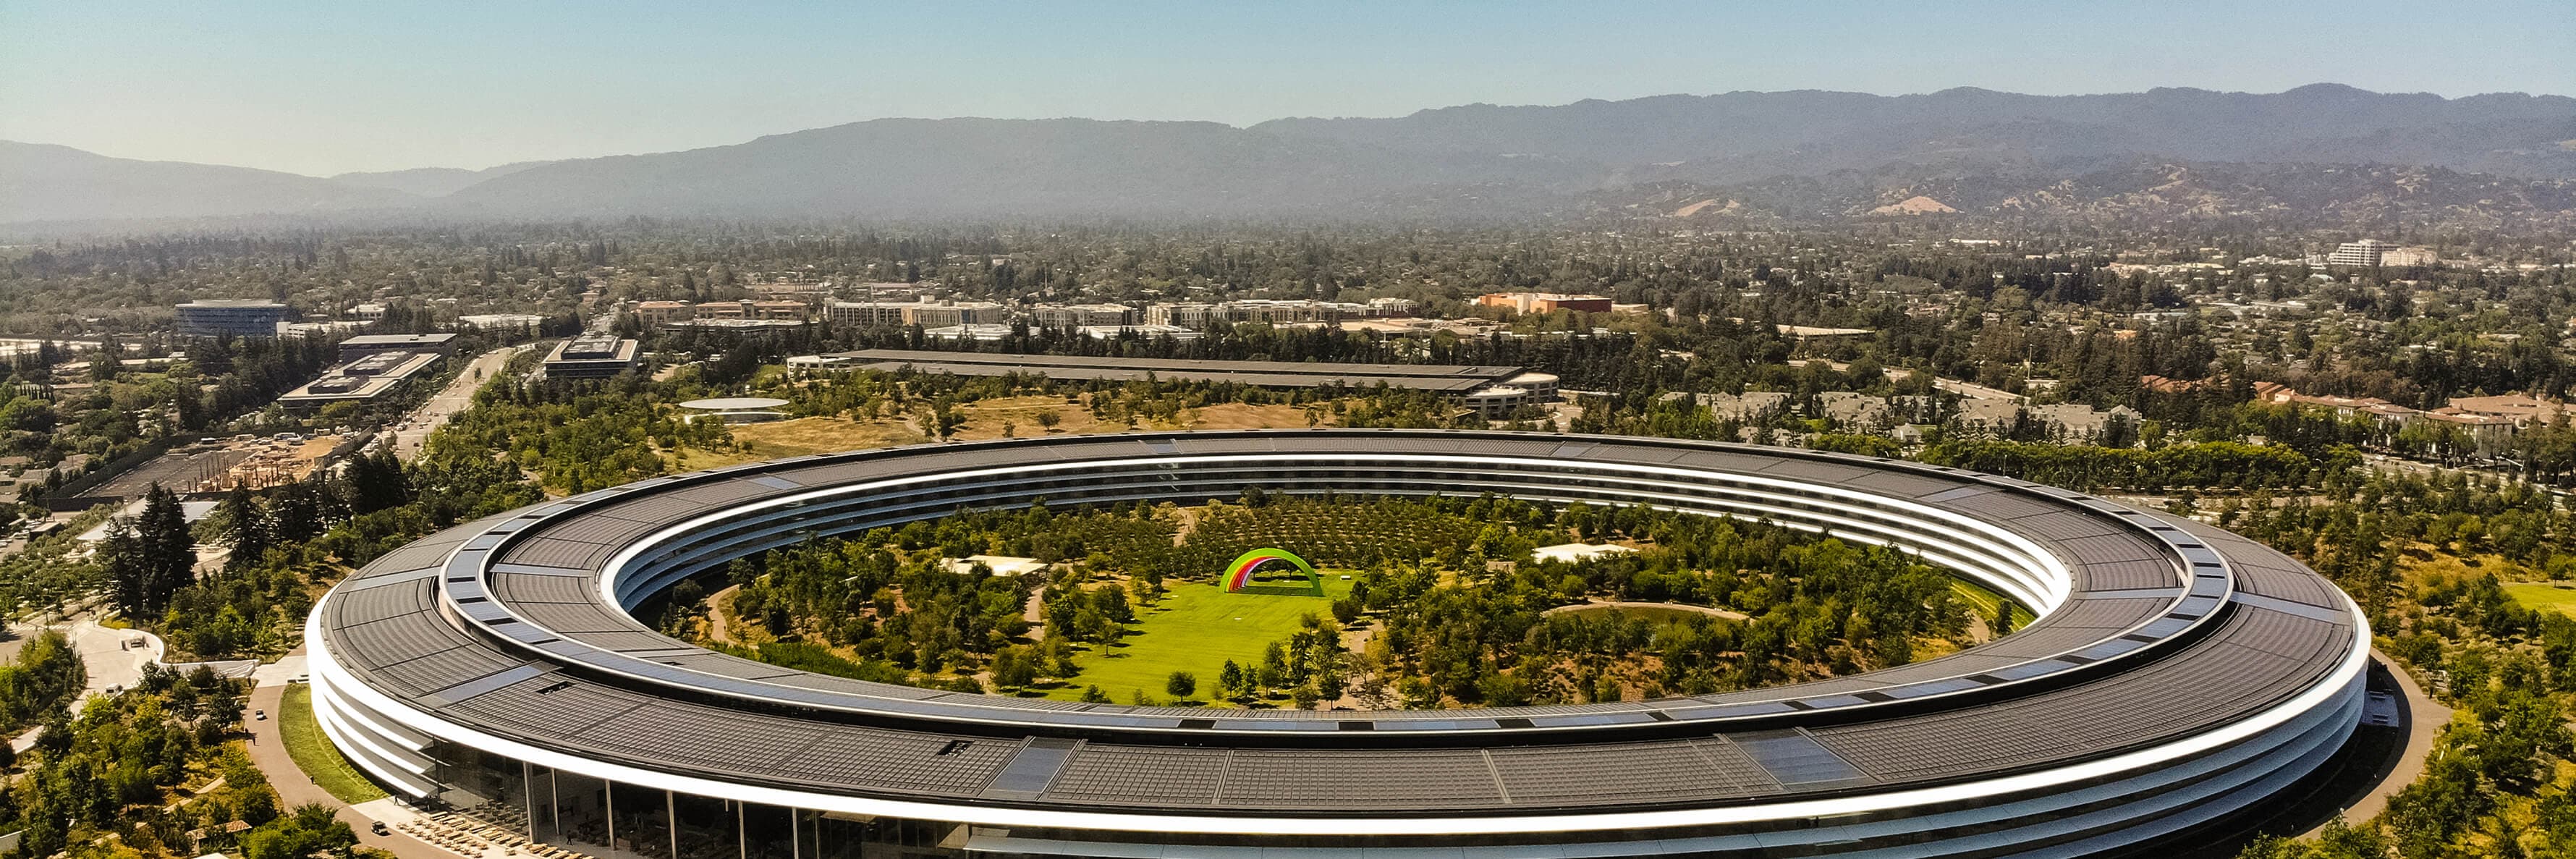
2425	719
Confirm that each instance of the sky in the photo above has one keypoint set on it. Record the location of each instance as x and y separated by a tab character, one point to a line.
322	88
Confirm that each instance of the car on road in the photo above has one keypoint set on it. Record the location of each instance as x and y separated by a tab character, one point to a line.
259	715
380	828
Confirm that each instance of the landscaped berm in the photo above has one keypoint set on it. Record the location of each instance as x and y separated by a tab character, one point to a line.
1197	628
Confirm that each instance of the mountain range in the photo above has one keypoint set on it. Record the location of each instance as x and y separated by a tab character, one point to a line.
1800	155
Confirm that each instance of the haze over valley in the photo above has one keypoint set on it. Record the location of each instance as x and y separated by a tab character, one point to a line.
1797	156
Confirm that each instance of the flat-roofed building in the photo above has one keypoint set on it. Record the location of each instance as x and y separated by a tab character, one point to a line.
736	325
1443	378
1545	302
368	344
240	317
1497	402
367	377
1113	332
883	290
1289	311
721	310
1187	314
865	314
504	323
1081	315
1392	306
947	314
2367	252
592	356
780	309
987	332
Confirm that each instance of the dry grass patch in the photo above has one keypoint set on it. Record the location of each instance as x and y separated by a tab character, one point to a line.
799	437
1230	416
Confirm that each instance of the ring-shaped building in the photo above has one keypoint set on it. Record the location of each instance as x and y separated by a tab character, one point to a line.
2178	679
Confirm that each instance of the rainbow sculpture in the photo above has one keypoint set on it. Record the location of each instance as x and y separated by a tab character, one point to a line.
1238	575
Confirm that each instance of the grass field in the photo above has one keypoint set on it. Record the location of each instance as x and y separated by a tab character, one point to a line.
1195	629
1984	600
2561	598
313	752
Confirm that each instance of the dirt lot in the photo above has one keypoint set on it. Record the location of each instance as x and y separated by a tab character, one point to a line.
984	420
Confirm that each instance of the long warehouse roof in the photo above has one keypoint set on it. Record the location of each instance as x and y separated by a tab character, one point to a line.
1445	378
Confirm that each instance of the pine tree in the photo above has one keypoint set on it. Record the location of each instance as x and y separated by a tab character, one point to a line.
250	535
375	482
164	528
153	557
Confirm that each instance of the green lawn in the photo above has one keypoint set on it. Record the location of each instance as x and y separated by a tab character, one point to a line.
2544	596
1984	599
313	752
1196	628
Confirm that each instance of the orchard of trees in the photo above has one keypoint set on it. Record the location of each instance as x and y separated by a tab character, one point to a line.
1457	612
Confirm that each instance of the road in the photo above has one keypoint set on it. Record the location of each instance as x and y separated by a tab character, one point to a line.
459	393
268	752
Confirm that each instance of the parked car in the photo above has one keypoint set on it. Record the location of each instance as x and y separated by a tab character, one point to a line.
259	715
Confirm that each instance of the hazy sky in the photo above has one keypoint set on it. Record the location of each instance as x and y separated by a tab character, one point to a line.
327	87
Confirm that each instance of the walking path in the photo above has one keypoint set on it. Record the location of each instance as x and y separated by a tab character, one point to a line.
2425	720
268	752
1674	606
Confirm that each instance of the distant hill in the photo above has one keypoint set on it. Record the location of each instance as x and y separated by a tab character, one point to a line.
429	181
1751	135
2316	151
2136	192
40	182
956	167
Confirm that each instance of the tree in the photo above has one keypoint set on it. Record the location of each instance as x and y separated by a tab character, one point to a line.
1232	682
28	414
248	530
296	511
311	829
1181	684
110	360
152	557
376	482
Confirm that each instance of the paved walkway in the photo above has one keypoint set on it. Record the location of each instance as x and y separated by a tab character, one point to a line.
287	669
114	657
2425	720
1674	606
